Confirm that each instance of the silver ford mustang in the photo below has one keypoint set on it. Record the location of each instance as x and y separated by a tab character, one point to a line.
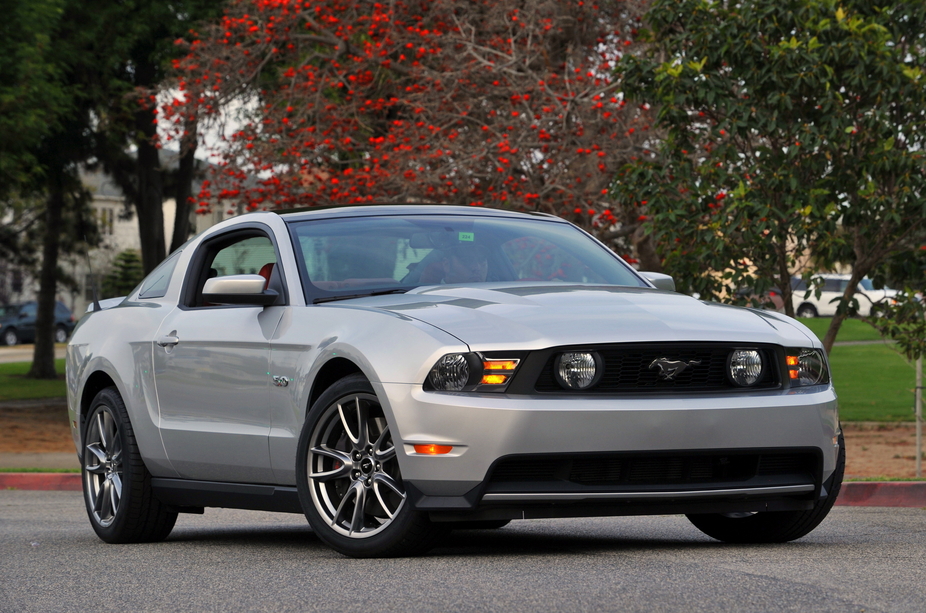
396	371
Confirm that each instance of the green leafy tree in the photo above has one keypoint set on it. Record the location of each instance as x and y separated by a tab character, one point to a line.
793	129
126	273
31	94
138	39
903	317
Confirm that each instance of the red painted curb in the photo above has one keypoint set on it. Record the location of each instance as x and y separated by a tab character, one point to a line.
41	481
882	494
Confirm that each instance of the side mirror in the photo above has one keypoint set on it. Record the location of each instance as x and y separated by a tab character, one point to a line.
661	281
238	289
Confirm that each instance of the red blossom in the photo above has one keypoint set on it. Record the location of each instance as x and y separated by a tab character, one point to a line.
406	100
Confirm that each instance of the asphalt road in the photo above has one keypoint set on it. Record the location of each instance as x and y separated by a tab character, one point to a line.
860	559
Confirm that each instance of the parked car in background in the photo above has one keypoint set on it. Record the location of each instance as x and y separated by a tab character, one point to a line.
833	288
17	323
393	372
770	300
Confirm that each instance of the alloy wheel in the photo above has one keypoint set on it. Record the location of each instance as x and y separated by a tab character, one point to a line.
353	473
103	466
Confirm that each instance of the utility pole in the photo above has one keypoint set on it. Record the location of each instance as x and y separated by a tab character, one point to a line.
918	408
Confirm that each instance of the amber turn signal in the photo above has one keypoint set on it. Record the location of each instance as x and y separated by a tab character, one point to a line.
500	364
494	379
433	449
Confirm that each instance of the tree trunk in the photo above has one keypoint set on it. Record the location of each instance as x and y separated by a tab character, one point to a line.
150	201
43	357
784	277
838	318
646	251
185	171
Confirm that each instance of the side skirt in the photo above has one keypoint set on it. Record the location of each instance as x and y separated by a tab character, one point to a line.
192	496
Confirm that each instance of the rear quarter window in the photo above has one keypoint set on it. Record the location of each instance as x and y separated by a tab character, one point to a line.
155	285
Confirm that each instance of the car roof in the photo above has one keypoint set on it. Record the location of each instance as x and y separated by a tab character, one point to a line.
376	210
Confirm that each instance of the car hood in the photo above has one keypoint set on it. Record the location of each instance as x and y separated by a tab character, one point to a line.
537	316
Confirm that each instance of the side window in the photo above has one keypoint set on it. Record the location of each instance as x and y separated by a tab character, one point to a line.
155	285
244	257
831	285
29	310
241	254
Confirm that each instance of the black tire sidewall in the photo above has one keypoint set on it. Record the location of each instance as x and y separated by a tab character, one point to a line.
109	398
775	527
390	540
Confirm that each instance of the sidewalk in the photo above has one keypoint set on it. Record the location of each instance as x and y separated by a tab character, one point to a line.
23	353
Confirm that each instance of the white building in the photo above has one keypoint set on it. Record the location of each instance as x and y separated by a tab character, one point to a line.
118	231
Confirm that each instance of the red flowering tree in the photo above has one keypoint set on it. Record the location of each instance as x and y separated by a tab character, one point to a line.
498	103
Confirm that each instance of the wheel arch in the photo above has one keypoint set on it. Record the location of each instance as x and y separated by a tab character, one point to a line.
808	305
94	384
333	370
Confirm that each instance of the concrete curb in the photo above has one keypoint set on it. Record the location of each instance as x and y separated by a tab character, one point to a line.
882	494
69	482
853	493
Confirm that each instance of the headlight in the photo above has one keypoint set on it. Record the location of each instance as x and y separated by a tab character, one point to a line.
577	370
451	373
466	372
745	367
807	367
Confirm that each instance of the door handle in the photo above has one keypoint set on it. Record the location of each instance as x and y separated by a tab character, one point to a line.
169	340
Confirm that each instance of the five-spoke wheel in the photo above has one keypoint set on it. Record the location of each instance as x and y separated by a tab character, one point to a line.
350	485
103	466
117	486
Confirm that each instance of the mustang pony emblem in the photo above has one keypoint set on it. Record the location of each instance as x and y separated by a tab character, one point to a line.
669	369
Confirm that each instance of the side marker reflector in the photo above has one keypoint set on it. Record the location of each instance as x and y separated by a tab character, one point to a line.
433	449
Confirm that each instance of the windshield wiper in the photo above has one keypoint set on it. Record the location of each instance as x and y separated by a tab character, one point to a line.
381	292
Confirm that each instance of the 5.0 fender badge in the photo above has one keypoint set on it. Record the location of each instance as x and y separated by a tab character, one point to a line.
669	369
280	381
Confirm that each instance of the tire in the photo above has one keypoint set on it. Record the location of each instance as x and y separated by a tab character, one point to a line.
61	334
10	337
806	310
346	453
117	486
773	527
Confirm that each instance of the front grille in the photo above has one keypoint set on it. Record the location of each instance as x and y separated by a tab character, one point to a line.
653	469
627	369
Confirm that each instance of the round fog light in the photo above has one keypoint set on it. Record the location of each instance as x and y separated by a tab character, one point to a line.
577	370
745	367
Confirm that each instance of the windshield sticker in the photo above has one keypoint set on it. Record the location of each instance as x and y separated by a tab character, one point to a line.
467	237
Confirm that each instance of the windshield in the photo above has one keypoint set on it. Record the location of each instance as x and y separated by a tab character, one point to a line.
362	255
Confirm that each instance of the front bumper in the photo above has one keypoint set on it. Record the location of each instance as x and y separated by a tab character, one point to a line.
486	430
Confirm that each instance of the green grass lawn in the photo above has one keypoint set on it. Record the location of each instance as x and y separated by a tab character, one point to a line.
850	330
15	386
874	383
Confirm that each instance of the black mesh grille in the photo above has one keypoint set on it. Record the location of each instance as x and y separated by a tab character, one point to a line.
634	469
631	369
